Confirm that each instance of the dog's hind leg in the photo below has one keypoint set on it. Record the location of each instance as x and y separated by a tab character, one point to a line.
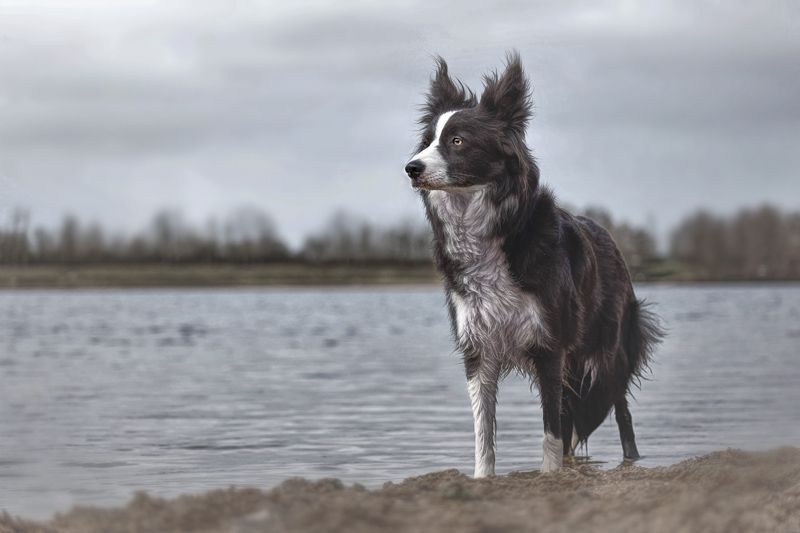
570	437
482	380
625	424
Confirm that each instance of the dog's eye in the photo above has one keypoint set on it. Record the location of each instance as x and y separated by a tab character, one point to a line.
458	141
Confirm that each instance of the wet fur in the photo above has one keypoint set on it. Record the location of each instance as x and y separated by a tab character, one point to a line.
529	286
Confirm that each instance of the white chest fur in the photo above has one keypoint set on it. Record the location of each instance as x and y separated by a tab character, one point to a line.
493	315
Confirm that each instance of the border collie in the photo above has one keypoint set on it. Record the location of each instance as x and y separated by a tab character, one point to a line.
530	288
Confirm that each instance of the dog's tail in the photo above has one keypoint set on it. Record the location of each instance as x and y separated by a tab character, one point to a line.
642	332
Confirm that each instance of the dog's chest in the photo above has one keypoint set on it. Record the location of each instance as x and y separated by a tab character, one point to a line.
492	313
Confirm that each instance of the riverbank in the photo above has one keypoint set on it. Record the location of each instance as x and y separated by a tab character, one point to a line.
200	275
729	491
264	275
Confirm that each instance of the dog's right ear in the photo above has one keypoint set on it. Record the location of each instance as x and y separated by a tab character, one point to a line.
445	94
507	96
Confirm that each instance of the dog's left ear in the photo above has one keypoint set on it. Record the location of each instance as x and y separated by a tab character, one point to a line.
508	96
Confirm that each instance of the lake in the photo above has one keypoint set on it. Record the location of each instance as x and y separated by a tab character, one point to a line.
171	391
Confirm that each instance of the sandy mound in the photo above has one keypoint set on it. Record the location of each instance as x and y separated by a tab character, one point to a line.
727	491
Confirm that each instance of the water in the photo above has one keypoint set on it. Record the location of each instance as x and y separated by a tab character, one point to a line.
173	391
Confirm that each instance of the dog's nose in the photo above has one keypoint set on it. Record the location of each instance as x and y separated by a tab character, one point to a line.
415	168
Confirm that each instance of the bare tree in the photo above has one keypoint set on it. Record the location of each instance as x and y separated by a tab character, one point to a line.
251	235
14	240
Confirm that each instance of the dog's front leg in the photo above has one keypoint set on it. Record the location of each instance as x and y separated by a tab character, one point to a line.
549	375
482	380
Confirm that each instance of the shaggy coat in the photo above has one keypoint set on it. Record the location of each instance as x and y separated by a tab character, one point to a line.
529	286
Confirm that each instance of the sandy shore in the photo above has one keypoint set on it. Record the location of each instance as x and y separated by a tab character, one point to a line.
728	491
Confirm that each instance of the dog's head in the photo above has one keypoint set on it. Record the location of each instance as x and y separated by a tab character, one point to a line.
469	143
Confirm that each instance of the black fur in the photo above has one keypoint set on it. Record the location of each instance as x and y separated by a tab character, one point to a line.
571	264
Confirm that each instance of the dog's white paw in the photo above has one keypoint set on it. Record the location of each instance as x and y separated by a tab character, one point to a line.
482	471
550	464
553	455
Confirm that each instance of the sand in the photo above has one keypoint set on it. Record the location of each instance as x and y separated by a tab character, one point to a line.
729	491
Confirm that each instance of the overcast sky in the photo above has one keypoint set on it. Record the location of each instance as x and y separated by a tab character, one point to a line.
113	109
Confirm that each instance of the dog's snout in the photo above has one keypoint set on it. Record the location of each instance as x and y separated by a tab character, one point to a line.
415	168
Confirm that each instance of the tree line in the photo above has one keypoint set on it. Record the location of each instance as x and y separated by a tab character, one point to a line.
246	236
755	243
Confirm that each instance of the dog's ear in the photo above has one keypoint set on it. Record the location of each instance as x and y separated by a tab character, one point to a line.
445	94
508	96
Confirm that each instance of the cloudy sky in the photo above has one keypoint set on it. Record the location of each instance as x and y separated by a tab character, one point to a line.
113	109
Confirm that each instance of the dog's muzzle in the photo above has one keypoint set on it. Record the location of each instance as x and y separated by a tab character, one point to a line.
415	168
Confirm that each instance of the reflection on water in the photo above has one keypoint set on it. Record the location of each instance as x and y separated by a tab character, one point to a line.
172	391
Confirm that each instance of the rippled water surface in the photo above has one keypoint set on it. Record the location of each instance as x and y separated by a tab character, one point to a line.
171	391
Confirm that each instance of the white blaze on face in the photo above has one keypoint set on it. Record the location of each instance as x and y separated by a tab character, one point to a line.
435	165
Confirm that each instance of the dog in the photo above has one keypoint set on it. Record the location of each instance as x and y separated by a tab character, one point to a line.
529	287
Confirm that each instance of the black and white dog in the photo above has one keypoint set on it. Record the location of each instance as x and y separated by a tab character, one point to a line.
529	287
